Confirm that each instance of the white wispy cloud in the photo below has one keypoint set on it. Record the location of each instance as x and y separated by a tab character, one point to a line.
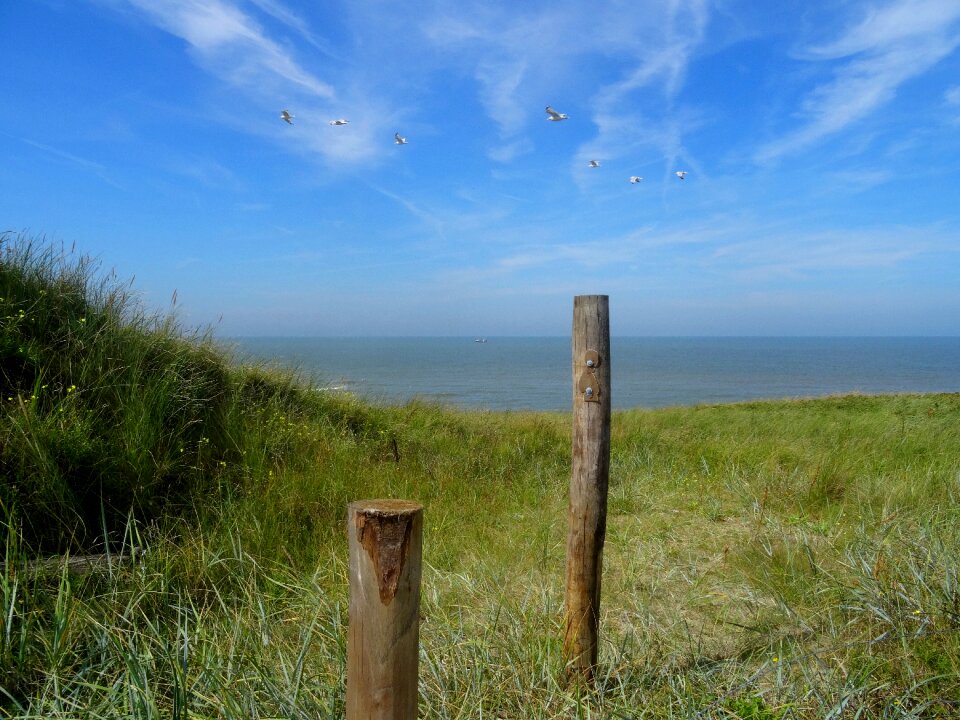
205	170
442	224
500	80
612	251
507	152
76	159
860	180
508	53
584	255
98	169
517	57
230	43
887	47
657	66
280	12
426	217
663	55
951	98
740	249
800	255
897	21
520	57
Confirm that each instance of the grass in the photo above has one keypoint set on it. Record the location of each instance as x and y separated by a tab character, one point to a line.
783	559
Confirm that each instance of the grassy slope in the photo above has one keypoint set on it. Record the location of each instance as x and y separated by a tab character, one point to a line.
781	559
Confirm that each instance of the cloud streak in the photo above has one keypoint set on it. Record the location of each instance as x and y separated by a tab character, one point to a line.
888	47
742	250
230	43
98	169
800	255
515	57
278	11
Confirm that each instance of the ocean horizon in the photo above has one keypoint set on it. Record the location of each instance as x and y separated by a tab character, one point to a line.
534	373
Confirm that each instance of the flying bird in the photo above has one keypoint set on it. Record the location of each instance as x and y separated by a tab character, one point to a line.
286	117
340	121
554	115
594	163
635	179
399	140
682	174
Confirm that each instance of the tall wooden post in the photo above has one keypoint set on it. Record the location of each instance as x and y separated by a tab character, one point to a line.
587	515
383	635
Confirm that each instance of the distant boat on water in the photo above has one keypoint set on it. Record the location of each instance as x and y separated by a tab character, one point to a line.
480	340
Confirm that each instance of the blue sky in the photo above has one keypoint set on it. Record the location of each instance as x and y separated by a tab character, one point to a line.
822	142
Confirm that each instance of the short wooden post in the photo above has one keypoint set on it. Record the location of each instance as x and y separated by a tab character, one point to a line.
383	635
587	515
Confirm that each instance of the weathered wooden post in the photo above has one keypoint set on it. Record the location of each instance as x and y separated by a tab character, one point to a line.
587	515
383	634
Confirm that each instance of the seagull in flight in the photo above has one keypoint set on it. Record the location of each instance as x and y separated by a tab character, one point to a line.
594	163
286	117
340	121
554	115
399	140
682	174
635	179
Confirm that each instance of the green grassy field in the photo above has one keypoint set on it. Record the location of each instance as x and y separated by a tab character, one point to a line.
783	559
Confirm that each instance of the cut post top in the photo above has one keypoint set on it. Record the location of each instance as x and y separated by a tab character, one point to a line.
385	507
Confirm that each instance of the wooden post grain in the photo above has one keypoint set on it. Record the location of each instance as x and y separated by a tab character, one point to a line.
385	538
587	515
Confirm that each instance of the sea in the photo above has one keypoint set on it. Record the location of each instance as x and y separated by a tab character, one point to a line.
535	373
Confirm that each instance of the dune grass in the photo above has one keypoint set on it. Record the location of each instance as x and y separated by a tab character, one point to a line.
783	559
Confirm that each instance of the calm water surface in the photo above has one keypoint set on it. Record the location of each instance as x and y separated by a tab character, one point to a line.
535	373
